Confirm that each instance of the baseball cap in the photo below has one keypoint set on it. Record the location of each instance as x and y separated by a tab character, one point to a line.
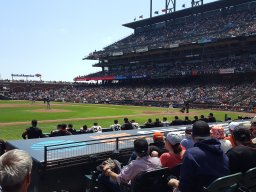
158	136
200	129
173	139
233	125
241	133
141	146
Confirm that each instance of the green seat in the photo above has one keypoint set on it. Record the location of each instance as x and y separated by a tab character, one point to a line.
249	180
229	183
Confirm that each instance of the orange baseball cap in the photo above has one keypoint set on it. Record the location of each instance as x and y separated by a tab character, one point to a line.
158	136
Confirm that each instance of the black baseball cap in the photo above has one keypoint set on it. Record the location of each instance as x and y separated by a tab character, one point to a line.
141	146
200	129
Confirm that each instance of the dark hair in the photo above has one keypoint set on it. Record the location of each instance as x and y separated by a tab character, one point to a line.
84	126
186	117
202	116
95	123
200	129
176	117
211	114
126	119
196	117
115	121
34	123
177	148
164	118
58	126
149	120
63	126
242	134
141	147
70	125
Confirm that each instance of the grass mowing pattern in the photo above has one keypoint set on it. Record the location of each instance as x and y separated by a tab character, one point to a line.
24	111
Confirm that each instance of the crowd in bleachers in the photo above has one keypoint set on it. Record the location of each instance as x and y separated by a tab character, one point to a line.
220	24
207	66
233	93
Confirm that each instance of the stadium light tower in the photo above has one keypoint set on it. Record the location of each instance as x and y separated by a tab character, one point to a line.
197	3
168	7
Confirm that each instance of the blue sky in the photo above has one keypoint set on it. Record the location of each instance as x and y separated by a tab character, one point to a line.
51	37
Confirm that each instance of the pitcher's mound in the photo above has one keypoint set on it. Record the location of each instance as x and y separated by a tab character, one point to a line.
50	110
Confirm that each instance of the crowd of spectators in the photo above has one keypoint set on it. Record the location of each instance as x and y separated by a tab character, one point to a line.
238	64
218	25
202	142
234	93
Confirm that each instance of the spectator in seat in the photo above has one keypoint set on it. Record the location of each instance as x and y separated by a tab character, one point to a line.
202	163
165	122
149	123
116	126
71	129
135	124
33	131
177	121
211	118
231	127
218	132
243	156
175	152
188	142
158	123
84	130
15	171
187	121
158	144
127	125
61	132
195	119
202	118
96	128
143	163
156	149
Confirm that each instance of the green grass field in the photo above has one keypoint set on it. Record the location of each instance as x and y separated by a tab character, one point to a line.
15	116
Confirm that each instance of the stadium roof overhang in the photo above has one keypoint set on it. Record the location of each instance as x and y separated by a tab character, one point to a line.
185	12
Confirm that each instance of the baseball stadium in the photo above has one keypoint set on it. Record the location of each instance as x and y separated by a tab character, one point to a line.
171	108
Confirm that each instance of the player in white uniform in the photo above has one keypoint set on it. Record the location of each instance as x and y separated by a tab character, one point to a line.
116	126
96	128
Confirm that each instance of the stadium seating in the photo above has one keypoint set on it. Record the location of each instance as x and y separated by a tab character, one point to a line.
228	183
249	180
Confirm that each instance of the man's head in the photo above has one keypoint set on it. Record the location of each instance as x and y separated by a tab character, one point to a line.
196	117
158	137
232	126
242	135
95	124
164	118
210	114
176	117
70	126
141	147
115	121
34	123
126	120
15	171
63	126
188	132
150	120
84	127
200	130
